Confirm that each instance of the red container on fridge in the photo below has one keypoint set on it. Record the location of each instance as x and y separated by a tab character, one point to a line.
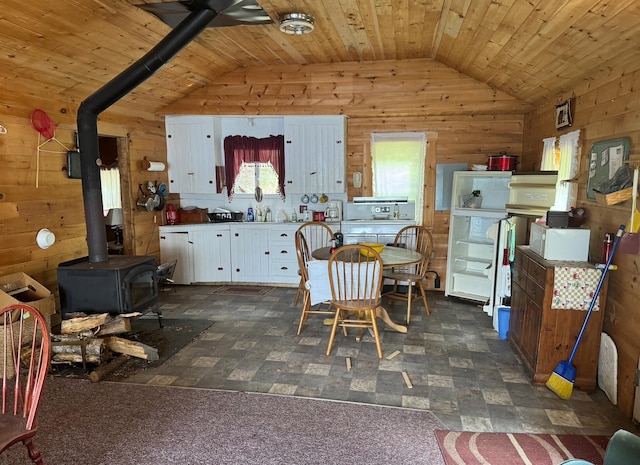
502	162
172	214
318	216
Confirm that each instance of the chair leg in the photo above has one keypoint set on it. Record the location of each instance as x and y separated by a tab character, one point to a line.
34	454
424	298
334	328
409	298
376	335
306	304
298	292
392	300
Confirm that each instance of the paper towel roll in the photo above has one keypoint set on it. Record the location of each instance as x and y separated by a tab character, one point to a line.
155	166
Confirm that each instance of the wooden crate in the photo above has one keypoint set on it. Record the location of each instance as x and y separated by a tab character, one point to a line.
614	197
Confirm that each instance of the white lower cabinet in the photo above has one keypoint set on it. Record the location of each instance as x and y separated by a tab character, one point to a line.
211	255
250	253
283	266
231	252
175	246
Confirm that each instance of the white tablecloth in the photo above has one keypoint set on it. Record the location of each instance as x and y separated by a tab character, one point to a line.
318	283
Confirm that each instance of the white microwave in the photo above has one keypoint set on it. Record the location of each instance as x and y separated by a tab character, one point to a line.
560	243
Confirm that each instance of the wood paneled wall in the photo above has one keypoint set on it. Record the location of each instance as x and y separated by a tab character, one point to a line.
465	120
604	110
57	201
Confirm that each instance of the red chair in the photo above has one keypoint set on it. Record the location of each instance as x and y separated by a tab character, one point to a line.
26	356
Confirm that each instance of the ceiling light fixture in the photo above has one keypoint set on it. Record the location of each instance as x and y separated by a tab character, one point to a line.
296	23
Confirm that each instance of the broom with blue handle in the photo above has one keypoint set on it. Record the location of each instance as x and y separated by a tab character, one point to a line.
562	378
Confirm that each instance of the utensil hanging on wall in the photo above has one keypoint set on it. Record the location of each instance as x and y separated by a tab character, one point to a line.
47	129
146	202
630	241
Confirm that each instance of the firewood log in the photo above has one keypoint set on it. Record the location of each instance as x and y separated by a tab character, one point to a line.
133	348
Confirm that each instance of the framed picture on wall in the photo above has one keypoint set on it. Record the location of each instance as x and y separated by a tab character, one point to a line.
563	114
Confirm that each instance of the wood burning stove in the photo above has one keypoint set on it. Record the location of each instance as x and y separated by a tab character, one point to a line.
123	284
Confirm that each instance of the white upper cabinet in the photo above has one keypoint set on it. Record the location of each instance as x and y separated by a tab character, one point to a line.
191	154
315	154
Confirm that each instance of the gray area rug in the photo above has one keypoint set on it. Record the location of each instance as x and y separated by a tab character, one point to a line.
116	423
168	340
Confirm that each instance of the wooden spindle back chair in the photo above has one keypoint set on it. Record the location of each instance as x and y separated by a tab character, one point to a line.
356	283
26	357
316	234
416	238
302	251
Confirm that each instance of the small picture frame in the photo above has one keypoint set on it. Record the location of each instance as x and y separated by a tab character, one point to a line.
564	118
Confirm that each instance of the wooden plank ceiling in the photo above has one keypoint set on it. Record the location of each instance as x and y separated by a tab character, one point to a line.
534	50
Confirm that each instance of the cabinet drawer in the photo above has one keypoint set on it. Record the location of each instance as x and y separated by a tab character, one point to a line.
519	276
285	251
537	272
282	234
520	261
535	292
285	268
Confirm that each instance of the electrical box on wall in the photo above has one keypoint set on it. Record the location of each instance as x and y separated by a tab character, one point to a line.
357	179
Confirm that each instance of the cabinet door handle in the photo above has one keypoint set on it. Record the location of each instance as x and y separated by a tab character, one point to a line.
267	252
218	235
284	235
190	242
284	252
284	268
236	234
220	268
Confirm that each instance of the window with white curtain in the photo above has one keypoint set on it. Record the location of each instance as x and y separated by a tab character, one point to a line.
398	166
110	180
561	155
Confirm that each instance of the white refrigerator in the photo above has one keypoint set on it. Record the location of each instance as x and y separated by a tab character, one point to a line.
480	237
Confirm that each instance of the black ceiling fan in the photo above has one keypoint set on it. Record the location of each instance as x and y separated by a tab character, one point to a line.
230	12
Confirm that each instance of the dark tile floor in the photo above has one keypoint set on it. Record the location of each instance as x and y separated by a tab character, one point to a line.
459	368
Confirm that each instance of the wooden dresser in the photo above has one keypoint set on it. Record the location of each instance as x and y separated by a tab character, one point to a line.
542	335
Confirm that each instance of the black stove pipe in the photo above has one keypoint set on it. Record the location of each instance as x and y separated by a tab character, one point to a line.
106	96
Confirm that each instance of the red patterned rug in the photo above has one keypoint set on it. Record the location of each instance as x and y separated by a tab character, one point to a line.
242	290
466	448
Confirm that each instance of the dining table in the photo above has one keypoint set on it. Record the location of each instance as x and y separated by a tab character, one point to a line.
391	257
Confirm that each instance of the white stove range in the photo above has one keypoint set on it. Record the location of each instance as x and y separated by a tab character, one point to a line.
371	219
377	231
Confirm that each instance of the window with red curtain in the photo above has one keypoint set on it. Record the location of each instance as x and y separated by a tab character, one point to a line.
245	149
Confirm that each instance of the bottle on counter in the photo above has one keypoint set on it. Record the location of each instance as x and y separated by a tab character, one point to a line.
294	217
267	215
250	215
339	238
396	212
172	214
